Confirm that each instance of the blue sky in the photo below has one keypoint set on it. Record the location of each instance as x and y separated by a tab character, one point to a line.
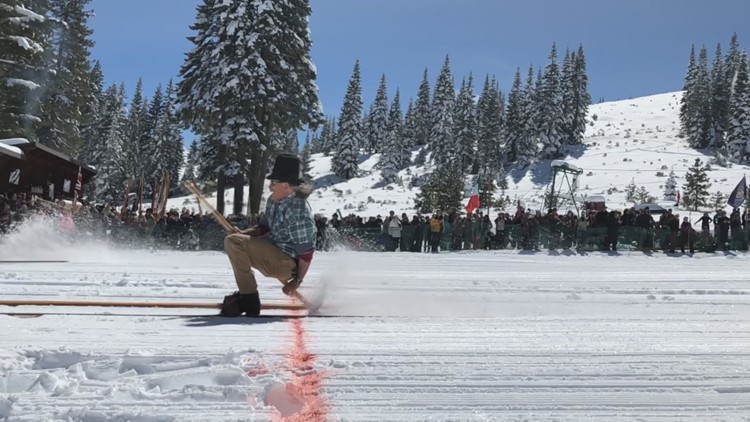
633	48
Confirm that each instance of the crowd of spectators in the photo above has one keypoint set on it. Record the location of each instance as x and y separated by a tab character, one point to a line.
593	229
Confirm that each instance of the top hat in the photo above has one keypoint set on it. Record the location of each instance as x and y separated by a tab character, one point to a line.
287	168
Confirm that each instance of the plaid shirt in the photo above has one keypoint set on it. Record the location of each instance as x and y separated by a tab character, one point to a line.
292	226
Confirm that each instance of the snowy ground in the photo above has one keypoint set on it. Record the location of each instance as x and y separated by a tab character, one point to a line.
481	336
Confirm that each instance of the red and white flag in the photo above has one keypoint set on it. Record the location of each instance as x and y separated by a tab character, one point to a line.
474	199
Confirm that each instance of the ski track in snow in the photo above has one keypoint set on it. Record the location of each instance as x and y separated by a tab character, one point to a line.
479	336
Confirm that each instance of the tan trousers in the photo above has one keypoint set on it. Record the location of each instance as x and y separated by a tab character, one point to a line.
246	253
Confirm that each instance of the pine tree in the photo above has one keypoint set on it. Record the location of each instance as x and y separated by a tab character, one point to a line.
697	185
486	191
377	129
575	98
153	156
441	135
291	142
718	201
171	135
267	83
306	161
345	162
548	99
408	130
631	191
527	143
488	128
328	136
69	89
443	191
108	153
395	154
25	68
423	112
670	187
465	126
695	115
732	63
191	165
719	101
135	151
738	131
643	196
513	130
90	132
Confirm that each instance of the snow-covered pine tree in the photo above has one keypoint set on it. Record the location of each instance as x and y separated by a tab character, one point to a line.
396	130
345	162
92	111
738	131
465	126
171	135
267	83
69	89
670	187
423	112
489	129
191	171
408	130
291	142
327	136
576	98
377	125
395	154
108	152
688	101
207	159
25	68
719	101
527	143
134	133
732	62
441	135
695	112
513	130
154	158
548	99
695	191
306	161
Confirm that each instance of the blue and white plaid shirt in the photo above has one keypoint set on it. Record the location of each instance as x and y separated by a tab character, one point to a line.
292	225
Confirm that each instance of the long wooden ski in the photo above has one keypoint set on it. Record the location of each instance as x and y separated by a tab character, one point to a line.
144	304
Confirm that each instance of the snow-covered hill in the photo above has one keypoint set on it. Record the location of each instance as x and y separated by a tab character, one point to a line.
626	140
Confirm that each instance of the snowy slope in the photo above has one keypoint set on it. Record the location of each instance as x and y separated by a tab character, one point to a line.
628	140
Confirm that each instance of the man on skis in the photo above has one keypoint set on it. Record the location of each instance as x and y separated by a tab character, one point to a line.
280	246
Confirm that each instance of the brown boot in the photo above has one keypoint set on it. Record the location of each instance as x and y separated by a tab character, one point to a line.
237	304
231	306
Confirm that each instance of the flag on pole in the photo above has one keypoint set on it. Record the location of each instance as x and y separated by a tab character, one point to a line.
738	195
79	180
77	189
474	199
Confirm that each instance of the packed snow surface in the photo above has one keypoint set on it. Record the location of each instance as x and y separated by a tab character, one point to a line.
480	336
